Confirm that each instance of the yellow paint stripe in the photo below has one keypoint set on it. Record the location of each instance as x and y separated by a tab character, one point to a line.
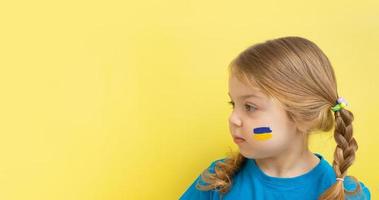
264	136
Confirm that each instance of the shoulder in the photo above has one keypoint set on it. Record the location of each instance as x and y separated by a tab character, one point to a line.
193	193
350	185
328	178
211	168
213	164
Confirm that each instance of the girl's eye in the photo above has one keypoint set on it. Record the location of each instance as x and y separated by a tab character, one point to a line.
249	107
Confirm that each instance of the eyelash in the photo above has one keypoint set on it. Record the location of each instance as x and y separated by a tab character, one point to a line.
246	105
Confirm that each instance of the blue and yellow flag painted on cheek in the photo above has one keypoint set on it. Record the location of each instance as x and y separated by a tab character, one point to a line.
262	133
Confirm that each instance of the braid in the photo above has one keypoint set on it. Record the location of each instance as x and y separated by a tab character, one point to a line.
344	155
221	179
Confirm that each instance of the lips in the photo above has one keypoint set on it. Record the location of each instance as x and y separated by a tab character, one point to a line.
238	139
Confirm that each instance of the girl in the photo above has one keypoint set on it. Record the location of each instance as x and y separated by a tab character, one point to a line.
281	91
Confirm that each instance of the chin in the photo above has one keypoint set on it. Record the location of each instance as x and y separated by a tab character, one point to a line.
253	155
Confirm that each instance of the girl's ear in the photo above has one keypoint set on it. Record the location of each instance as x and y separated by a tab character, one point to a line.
302	128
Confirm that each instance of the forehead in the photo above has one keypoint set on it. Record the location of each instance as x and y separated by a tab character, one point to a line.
241	89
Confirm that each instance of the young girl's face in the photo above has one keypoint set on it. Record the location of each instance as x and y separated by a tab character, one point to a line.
253	109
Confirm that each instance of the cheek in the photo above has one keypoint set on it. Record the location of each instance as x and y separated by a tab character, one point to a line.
280	137
261	131
268	144
268	131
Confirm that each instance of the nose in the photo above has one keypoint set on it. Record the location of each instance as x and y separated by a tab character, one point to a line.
234	119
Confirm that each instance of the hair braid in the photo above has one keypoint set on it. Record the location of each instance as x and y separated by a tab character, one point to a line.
344	155
221	179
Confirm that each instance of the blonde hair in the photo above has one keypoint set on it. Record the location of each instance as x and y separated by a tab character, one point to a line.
288	69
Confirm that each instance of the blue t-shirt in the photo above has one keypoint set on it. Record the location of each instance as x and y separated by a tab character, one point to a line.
250	182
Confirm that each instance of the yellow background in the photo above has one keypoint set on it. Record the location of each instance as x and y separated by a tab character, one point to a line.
128	99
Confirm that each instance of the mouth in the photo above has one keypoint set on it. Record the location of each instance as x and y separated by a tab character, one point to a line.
238	140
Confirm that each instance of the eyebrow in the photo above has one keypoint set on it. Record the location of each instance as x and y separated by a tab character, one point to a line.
246	96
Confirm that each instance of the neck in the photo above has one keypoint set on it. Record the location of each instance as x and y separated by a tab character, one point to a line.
290	162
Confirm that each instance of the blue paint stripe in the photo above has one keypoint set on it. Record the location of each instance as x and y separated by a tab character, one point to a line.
261	130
